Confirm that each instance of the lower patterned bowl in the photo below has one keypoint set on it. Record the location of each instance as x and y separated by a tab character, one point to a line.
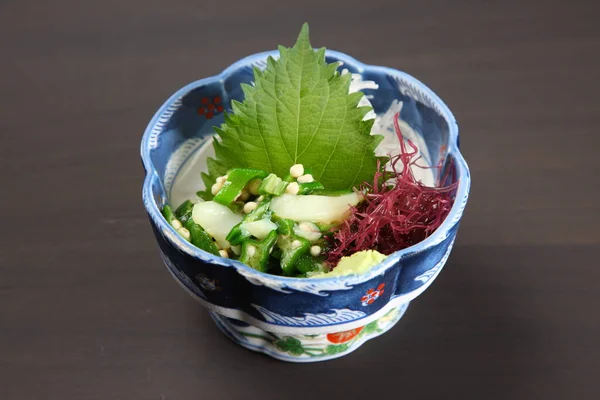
298	319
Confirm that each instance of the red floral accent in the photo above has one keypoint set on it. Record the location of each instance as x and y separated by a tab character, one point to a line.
372	295
210	107
344	336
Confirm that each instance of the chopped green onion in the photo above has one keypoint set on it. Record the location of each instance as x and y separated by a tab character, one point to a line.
237	179
272	185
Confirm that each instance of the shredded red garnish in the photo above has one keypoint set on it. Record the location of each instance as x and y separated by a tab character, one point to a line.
398	211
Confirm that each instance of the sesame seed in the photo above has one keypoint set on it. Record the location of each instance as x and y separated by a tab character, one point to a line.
306	178
297	170
315	251
223	253
292	188
215	188
249	207
184	232
253	186
244	195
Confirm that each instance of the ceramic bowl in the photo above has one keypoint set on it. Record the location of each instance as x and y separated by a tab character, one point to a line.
297	319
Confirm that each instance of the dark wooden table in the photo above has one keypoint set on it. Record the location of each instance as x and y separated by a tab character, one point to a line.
87	310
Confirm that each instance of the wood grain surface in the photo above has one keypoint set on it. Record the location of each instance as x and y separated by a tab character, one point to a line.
87	310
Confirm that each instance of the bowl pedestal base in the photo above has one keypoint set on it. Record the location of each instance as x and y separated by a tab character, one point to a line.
305	348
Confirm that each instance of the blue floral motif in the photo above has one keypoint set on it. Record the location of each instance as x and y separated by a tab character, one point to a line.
182	278
206	283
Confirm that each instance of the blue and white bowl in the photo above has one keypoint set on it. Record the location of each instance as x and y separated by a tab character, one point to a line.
298	319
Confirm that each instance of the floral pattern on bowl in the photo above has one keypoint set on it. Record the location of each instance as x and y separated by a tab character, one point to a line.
307	348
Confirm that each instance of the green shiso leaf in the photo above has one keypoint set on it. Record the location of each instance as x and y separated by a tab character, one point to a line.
298	111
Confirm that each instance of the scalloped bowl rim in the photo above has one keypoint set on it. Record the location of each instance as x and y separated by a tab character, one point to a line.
266	279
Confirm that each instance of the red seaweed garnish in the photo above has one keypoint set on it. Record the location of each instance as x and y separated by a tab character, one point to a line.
398	211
